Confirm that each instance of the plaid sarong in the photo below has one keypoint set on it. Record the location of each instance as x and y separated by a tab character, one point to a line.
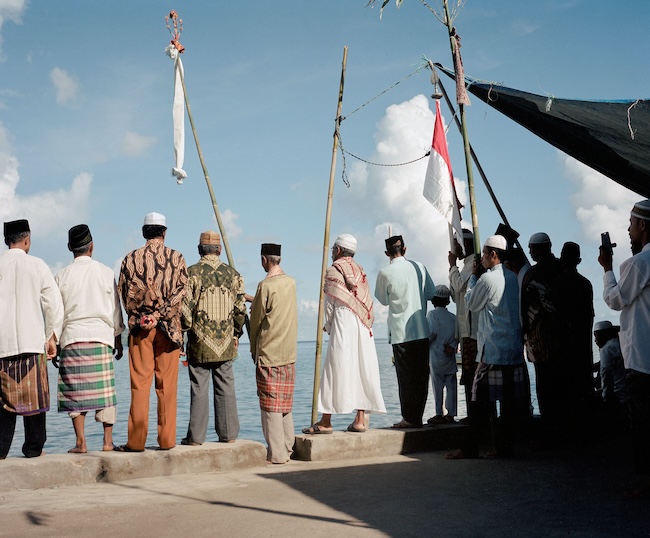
86	377
24	387
275	386
492	382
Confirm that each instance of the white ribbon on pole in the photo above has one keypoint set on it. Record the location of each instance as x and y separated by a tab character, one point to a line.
178	115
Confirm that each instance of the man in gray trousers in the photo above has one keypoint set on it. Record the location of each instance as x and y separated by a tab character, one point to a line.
214	314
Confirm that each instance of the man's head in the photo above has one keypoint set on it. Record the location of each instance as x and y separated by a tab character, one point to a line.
271	255
515	259
344	245
639	228
80	241
155	225
494	251
468	242
209	243
395	247
17	234
570	255
604	331
441	295
539	245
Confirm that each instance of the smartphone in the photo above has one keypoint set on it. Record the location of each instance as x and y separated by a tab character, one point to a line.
606	242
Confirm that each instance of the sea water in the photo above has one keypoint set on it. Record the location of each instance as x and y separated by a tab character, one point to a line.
60	434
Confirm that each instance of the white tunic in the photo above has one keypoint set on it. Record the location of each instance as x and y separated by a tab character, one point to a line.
350	378
30	304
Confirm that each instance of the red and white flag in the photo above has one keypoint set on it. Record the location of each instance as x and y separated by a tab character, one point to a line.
439	186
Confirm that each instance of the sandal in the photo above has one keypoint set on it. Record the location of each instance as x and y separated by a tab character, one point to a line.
316	428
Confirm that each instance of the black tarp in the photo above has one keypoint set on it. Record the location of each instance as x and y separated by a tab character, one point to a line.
596	133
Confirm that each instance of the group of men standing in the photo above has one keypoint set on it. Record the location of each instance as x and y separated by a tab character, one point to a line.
80	312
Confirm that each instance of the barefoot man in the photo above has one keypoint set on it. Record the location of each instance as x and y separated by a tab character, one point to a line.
92	326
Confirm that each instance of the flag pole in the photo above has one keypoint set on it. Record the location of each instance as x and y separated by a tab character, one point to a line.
175	31
326	242
481	172
455	53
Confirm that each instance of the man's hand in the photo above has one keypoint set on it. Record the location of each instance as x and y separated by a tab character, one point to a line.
449	350
148	322
118	349
236	342
477	268
605	257
50	348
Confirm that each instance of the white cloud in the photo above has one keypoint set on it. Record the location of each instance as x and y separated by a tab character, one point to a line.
523	28
67	87
134	144
392	196
601	204
229	219
10	10
47	211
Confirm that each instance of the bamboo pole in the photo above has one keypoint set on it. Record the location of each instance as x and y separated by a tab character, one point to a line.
326	242
222	229
478	164
468	159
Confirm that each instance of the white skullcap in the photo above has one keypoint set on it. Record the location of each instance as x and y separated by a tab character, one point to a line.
540	238
155	219
641	210
602	325
441	291
496	241
346	241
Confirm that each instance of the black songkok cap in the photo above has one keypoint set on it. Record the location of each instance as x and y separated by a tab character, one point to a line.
16	227
79	236
507	232
394	240
271	249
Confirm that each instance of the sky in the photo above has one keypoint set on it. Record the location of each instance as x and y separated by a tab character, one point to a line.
86	126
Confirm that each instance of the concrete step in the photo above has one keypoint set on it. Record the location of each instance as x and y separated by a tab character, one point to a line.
53	470
341	445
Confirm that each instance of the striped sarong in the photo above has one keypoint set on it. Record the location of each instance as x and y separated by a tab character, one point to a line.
24	387
86	377
493	382
275	386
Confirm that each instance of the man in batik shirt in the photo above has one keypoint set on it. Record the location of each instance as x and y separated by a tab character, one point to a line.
152	285
214	314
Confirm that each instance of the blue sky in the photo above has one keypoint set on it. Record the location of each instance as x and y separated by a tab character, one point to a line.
86	133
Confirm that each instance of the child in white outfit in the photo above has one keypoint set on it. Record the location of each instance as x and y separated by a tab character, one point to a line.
443	344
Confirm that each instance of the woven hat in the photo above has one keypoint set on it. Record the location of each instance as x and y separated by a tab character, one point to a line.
79	236
210	238
441	291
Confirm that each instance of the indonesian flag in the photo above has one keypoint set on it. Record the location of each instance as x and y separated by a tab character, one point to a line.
439	186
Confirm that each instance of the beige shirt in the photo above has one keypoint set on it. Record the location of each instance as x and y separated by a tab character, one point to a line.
274	321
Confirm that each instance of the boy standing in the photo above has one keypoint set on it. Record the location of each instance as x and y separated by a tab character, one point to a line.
443	343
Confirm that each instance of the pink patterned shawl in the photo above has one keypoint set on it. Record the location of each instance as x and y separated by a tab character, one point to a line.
346	281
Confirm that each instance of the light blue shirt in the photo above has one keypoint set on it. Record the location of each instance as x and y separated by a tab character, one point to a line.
442	330
495	297
405	287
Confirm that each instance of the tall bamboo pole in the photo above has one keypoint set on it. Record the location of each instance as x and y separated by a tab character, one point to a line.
326	242
468	158
222	229
481	172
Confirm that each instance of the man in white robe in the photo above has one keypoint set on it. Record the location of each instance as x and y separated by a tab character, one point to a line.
350	380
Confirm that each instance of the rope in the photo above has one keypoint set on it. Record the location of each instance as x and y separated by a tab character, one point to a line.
629	119
382	93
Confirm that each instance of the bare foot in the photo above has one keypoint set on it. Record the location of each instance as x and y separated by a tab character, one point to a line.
109	448
403	425
76	450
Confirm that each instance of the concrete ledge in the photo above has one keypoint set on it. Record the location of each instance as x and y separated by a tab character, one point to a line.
77	469
380	442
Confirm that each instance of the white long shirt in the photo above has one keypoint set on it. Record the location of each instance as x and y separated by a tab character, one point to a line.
30	304
458	280
442	327
92	304
631	296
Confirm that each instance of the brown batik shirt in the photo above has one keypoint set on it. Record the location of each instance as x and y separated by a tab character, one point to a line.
152	282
